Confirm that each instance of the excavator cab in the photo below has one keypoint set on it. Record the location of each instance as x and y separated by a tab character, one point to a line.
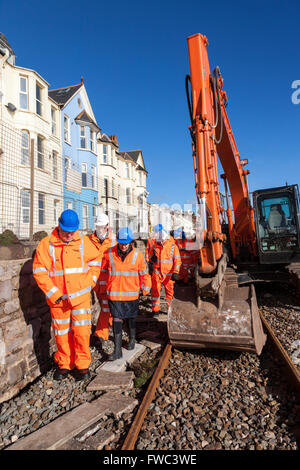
277	220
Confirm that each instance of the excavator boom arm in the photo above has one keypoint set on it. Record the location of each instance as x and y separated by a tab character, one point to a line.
212	135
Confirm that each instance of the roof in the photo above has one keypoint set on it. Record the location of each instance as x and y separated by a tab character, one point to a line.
5	44
126	156
84	116
104	137
134	155
62	95
140	168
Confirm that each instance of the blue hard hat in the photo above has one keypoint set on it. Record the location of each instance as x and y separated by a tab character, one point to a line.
158	228
179	233
69	221
125	235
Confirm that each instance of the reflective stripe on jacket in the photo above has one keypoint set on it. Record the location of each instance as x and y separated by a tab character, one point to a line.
168	256
68	270
122	280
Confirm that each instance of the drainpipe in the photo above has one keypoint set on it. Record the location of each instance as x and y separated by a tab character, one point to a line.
2	62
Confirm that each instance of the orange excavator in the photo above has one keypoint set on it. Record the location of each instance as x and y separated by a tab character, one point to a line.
219	308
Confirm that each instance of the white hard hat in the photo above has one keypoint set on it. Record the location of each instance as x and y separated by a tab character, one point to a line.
102	220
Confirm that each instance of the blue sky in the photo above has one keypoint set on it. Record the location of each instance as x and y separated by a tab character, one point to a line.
133	57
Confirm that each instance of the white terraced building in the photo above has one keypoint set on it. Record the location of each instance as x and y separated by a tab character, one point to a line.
122	186
29	122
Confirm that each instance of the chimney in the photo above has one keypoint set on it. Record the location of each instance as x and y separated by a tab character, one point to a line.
81	80
114	139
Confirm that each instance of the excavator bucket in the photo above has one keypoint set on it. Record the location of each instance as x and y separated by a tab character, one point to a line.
232	323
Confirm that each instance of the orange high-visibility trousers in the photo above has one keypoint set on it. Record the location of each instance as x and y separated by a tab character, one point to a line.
72	329
185	266
157	280
104	320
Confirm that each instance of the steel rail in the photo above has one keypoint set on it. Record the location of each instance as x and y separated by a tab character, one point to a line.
293	372
136	425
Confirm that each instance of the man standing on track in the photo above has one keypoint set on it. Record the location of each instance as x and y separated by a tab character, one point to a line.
66	268
103	239
166	264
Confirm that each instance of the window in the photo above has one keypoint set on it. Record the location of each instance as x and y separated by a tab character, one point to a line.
55	210
24	148
128	195
94	175
41	207
23	92
140	179
85	216
94	209
104	153
92	140
53	121
66	129
113	187
25	206
54	165
69	205
67	167
113	155
106	187
84	175
82	137
38	93
127	170
40	152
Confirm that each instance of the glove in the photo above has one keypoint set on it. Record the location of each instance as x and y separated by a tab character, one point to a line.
58	300
175	277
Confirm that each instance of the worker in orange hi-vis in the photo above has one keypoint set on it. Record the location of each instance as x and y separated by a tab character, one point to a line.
186	259
103	239
194	251
123	274
149	248
166	263
66	267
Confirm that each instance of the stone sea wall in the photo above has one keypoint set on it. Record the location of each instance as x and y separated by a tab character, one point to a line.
26	337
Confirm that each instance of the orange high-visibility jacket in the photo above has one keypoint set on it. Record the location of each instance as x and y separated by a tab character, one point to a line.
122	280
68	270
168	258
102	248
149	249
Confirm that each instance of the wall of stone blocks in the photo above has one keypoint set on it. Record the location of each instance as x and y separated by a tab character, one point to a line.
26	337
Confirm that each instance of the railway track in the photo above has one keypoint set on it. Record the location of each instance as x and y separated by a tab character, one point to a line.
211	399
265	419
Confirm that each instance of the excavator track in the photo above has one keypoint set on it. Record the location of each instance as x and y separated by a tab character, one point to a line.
230	321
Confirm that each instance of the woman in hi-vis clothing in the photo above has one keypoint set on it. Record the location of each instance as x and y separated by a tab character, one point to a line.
123	274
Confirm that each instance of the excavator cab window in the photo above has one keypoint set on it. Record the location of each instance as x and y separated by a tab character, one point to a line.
277	224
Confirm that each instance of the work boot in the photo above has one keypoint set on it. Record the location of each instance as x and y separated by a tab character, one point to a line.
117	354
82	374
60	374
132	329
98	342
